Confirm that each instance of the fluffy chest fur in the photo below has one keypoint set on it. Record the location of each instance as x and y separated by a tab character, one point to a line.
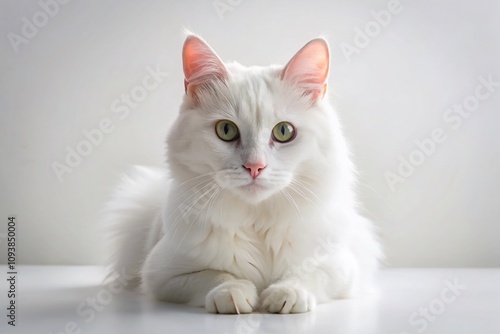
261	243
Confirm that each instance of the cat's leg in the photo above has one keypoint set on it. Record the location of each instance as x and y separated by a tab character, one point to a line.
335	269
218	291
287	296
299	290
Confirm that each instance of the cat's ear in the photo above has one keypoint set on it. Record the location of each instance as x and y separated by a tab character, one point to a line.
201	64
309	68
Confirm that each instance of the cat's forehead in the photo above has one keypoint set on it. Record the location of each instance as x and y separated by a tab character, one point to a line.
254	92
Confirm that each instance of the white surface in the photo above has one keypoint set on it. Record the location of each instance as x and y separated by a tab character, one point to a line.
395	91
49	297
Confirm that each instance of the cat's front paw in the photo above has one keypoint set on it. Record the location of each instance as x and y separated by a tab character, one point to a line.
236	296
287	298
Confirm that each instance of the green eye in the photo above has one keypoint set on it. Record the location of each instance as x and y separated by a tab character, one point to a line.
227	130
283	132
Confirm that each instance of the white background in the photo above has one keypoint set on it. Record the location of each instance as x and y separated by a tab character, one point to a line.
393	92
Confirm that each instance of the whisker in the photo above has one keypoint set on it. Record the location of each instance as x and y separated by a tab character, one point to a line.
205	183
304	185
215	197
179	218
195	220
300	193
194	178
380	195
221	204
292	201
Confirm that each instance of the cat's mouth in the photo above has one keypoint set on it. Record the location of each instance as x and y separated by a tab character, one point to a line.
253	186
254	192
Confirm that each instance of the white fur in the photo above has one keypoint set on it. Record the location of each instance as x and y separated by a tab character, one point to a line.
209	239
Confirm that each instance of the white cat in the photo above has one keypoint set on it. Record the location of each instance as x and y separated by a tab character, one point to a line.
257	211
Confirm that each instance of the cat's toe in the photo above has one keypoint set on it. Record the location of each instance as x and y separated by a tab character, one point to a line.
285	298
238	296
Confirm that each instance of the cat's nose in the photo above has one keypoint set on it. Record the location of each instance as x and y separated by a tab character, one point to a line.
255	168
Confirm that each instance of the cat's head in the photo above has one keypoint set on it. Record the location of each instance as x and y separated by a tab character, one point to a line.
256	131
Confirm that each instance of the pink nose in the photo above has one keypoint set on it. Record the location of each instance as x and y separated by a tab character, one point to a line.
255	168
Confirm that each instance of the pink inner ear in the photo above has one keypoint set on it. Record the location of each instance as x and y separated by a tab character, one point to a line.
200	63
309	68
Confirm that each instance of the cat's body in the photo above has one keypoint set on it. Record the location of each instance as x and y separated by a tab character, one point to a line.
257	213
